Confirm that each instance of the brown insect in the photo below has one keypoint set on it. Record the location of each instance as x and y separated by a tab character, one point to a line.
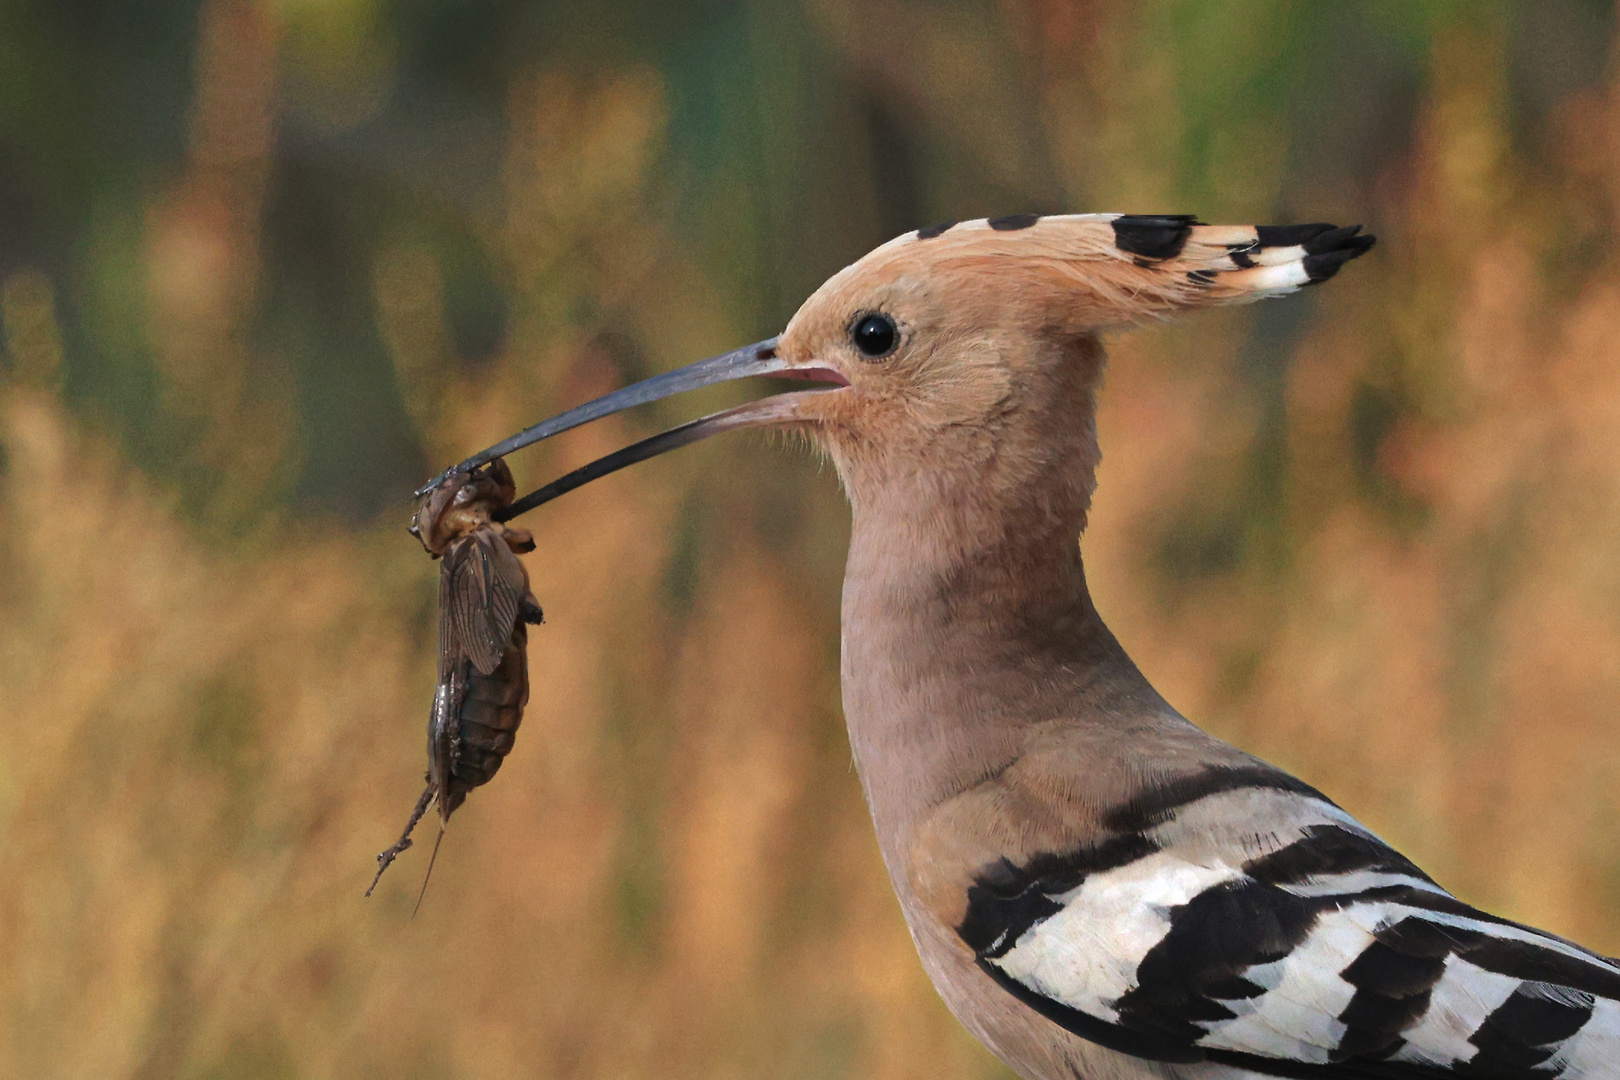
485	607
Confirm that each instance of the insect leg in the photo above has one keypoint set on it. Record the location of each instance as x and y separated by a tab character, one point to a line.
404	841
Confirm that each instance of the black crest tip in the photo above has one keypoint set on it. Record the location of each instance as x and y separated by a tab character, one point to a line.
1320	267
1012	222
1291	235
1153	236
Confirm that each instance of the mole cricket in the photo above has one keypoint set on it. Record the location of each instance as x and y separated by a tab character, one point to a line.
485	608
484	601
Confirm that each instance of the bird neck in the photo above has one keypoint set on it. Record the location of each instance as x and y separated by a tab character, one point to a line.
966	622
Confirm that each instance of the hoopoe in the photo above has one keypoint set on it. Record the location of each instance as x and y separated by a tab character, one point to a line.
1098	889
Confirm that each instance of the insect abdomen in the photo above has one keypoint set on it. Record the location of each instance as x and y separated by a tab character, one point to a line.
490	714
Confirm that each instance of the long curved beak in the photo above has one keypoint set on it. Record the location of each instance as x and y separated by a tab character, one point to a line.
757	359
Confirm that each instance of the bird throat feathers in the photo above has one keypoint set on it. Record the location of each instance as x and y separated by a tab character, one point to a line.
992	435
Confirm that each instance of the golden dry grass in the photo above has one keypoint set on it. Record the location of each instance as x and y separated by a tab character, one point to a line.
210	730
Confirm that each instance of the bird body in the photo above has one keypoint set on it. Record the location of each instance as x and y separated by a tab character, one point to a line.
1099	889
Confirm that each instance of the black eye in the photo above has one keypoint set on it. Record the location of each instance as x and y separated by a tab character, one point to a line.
875	335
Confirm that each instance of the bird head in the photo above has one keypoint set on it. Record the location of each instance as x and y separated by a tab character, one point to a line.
969	366
962	361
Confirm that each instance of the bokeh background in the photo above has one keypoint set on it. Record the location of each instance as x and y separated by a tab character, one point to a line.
267	264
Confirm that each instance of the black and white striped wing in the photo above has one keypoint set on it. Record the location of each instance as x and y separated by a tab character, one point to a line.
1240	918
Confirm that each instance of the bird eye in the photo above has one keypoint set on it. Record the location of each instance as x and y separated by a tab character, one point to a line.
875	335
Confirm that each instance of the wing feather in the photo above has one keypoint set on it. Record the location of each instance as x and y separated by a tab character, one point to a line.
1332	956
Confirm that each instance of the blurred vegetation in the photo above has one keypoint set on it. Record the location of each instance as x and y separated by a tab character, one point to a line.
266	265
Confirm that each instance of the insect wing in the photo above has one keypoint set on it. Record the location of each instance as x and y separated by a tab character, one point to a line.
481	591
443	730
444	735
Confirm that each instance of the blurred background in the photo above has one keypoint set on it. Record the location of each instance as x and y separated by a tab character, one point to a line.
265	265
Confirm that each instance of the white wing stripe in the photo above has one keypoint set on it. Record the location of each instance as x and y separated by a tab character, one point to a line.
1465	995
1224	822
1594	1050
1086	955
1298	1019
1359	881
